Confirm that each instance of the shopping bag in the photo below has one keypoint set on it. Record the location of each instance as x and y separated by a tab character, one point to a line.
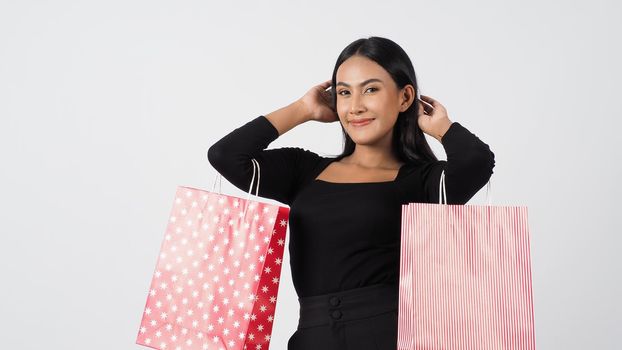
465	277
217	276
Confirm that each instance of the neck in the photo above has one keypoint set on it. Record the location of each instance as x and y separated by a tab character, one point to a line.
373	157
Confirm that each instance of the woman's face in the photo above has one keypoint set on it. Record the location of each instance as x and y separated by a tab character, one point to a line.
365	90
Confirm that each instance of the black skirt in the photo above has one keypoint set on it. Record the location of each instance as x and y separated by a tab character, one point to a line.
363	319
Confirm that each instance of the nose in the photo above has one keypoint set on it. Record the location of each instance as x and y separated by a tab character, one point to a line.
355	105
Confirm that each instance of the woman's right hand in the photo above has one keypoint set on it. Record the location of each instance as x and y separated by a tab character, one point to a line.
318	103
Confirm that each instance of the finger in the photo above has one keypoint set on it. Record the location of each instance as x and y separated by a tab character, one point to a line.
423	111
429	100
326	84
427	108
426	104
326	96
435	104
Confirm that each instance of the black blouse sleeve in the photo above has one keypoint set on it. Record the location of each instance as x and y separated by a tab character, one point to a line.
468	167
281	169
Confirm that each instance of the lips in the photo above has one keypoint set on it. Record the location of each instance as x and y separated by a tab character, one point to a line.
361	122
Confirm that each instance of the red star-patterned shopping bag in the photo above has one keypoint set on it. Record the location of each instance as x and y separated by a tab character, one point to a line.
465	277
216	280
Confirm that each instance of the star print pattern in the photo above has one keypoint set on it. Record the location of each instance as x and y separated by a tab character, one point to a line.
216	280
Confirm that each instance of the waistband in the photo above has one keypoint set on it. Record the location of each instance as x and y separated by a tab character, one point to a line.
351	304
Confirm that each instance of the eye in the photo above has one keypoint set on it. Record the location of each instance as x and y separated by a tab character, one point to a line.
340	92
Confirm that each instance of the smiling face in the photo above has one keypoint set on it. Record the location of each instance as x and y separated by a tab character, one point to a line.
365	90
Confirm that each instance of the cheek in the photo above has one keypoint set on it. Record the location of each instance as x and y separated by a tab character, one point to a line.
377	104
341	104
342	110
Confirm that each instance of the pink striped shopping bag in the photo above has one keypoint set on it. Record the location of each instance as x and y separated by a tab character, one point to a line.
465	277
216	280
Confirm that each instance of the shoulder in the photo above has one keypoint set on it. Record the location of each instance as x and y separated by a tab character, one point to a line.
413	178
308	164
420	169
297	160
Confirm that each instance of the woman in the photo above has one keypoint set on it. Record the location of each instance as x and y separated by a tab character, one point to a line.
345	211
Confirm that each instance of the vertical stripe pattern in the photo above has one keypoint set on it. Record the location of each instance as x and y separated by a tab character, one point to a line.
465	278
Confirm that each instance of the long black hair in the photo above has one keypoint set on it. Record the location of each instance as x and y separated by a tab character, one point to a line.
409	143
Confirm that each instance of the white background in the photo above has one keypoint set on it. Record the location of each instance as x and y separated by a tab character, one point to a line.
106	107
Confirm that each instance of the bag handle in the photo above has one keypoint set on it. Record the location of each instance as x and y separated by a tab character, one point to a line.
443	194
250	189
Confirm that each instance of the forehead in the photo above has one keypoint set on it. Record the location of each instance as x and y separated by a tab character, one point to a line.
356	69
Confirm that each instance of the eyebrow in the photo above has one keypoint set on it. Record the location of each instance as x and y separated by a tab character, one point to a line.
372	80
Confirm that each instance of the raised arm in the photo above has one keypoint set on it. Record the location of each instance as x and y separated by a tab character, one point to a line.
280	169
468	167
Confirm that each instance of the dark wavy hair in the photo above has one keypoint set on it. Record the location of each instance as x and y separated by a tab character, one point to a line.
409	143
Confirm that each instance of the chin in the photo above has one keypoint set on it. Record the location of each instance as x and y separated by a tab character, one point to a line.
364	140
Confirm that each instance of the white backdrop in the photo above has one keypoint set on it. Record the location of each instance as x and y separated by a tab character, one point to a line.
107	106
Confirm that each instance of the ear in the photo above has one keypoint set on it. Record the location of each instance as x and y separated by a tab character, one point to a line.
407	97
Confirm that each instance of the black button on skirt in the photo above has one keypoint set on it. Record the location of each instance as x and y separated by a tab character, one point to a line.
362	318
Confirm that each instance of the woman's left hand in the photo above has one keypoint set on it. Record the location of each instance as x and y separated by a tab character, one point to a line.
433	119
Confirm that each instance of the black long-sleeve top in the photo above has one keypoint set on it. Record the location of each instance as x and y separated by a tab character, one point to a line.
346	235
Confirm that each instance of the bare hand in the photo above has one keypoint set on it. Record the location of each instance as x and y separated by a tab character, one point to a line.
432	117
317	103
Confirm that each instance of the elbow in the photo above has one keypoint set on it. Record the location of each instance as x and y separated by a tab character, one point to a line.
491	163
481	170
485	165
215	156
485	162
